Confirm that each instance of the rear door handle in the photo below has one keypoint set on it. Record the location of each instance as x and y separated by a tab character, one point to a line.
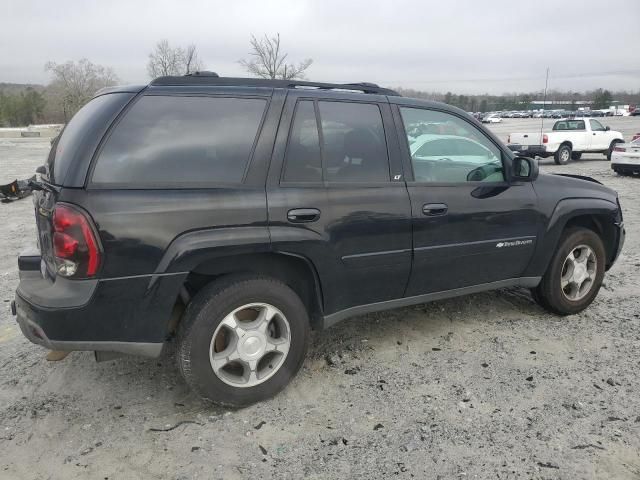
434	209
303	215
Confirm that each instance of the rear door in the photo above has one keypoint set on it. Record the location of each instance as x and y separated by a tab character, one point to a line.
470	226
336	197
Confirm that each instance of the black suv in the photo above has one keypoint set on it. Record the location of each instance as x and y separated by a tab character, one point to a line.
239	214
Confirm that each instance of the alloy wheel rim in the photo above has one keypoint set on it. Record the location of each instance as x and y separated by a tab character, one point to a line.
565	155
578	273
250	345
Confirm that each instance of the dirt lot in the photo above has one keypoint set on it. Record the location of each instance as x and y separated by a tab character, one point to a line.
484	386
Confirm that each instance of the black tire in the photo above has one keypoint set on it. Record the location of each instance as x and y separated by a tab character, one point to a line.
563	155
549	293
576	155
205	312
611	147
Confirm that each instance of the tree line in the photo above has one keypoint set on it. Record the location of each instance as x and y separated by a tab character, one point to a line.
600	98
74	83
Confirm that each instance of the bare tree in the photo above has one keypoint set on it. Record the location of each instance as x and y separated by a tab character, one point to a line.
191	61
267	61
74	83
166	60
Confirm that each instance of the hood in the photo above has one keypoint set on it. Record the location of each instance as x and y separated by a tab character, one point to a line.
573	186
579	177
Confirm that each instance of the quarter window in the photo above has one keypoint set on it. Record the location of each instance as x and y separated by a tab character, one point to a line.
179	140
447	149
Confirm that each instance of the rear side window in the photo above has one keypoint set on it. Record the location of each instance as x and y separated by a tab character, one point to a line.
178	140
353	142
303	162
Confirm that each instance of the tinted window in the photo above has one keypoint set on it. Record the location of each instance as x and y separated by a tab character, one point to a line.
303	162
353	142
181	140
83	133
569	125
596	126
459	152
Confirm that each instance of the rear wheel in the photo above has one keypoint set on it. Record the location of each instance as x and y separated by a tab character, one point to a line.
242	341
575	273
611	147
563	155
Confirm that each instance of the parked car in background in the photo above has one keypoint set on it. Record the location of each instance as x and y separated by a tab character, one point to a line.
492	118
625	158
568	140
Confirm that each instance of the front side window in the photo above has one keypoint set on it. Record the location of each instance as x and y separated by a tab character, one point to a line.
446	149
179	140
596	126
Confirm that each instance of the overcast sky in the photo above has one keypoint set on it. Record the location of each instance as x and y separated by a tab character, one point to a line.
471	46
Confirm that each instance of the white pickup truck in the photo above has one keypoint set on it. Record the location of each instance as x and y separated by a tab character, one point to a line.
568	140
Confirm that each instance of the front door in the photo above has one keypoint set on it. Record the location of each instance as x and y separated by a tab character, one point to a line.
599	137
470	225
332	200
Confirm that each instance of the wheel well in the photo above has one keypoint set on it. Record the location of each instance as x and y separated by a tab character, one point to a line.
567	142
295	272
603	226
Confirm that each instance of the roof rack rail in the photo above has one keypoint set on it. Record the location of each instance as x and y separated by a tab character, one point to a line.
210	78
203	73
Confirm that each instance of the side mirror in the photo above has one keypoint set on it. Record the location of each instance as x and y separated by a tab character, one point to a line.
607	128
525	169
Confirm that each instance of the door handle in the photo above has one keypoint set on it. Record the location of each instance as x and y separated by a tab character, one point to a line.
303	215
434	209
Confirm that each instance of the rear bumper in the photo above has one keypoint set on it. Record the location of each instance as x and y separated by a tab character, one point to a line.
127	315
621	161
529	150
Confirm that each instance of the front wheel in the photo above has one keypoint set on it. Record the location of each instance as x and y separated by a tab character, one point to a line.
242	341
575	273
563	155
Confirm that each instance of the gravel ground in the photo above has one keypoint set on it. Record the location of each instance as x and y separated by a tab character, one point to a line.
483	386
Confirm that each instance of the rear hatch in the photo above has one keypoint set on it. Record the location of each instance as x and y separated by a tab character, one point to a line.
68	164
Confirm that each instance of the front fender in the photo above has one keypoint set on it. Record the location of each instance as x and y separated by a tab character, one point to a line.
564	212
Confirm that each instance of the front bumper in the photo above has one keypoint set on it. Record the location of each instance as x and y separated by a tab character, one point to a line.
127	315
531	151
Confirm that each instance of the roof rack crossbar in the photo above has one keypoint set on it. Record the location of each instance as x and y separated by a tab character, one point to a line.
370	88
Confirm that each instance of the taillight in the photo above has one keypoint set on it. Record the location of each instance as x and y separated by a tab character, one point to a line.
619	149
75	247
545	138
